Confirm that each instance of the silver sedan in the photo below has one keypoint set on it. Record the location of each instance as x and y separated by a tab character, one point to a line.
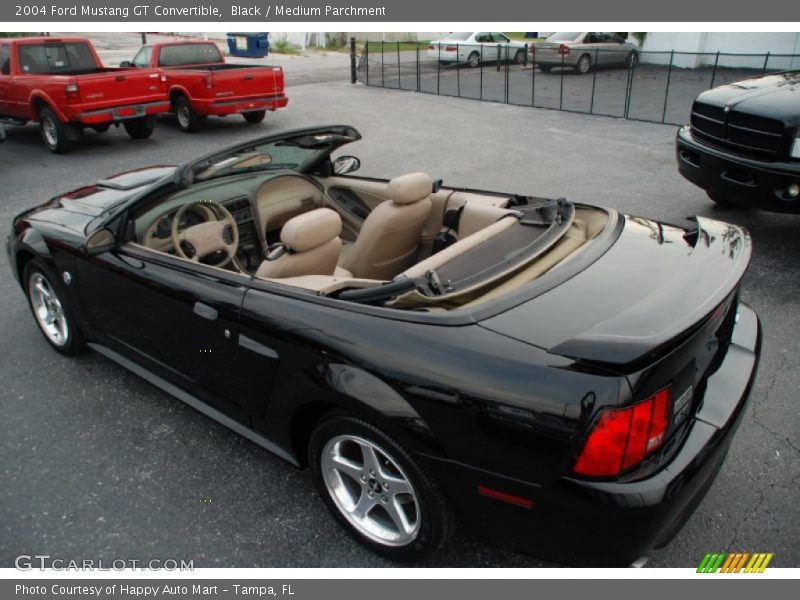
473	48
583	51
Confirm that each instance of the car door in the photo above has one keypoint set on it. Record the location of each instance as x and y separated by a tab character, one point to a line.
177	319
486	46
504	44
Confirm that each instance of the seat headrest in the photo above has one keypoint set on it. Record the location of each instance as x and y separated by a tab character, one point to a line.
409	188
310	230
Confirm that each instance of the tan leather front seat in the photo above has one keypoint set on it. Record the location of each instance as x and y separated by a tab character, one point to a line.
389	236
310	246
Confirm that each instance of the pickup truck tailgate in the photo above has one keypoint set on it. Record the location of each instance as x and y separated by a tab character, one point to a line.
120	87
240	81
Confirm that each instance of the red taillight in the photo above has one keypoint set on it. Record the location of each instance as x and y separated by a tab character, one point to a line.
449	48
73	93
209	82
622	437
563	49
431	47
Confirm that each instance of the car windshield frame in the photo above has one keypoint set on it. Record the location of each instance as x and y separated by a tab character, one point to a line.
319	142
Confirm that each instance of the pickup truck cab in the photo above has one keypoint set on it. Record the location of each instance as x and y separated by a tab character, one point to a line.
201	83
62	84
742	145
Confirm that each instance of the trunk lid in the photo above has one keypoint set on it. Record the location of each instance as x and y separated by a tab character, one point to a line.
655	287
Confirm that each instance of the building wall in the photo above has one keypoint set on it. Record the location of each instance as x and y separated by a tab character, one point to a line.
695	49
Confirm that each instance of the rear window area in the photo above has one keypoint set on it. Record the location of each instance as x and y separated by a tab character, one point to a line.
56	58
189	54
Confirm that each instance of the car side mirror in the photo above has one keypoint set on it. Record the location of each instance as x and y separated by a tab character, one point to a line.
346	164
125	64
99	242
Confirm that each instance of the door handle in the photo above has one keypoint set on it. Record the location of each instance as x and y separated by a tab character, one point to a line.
205	311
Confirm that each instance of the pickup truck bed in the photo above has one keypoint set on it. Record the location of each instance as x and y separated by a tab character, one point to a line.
200	83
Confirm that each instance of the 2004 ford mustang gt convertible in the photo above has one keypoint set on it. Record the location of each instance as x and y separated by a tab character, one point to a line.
563	378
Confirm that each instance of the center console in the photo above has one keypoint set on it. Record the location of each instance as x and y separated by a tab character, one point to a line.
251	249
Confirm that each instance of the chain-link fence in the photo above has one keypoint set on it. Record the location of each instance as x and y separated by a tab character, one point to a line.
642	85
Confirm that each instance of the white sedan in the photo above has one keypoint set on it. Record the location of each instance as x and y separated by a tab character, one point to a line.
474	48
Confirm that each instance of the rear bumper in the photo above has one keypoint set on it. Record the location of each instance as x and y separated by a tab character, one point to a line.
121	113
233	106
554	60
612	524
735	178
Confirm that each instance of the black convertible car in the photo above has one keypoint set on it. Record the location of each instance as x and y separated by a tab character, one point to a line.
564	379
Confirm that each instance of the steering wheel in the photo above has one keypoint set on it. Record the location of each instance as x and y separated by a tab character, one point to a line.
198	241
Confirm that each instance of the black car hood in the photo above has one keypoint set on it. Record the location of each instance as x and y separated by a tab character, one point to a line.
653	284
76	209
776	96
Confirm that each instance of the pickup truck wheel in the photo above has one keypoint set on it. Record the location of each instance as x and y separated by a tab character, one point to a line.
255	116
54	132
385	498
188	119
139	129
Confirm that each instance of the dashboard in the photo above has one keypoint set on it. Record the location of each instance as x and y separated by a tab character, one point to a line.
260	206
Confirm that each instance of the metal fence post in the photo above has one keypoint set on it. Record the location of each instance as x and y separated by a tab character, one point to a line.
353	74
399	80
481	80
561	89
383	80
458	74
366	57
499	48
766	61
508	81
628	91
533	77
714	72
594	80
669	80
418	86
438	68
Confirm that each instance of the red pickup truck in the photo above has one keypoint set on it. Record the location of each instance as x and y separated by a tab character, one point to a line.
201	83
62	84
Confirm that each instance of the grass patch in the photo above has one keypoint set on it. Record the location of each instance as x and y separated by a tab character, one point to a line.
284	46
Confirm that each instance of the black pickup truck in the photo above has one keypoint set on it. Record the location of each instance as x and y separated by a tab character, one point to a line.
742	145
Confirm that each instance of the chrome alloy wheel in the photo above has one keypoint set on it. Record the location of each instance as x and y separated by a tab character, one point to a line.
371	490
48	310
50	132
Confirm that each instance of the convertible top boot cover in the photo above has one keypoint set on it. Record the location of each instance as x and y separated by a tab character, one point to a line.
311	246
388	240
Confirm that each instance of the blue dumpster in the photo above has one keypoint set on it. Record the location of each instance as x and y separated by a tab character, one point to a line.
248	45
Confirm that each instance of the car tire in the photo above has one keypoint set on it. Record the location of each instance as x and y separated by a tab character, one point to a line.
474	60
632	60
254	116
186	116
584	64
519	57
406	516
139	129
54	131
51	309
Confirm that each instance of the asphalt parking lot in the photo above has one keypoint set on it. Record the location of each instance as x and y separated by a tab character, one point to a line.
99	464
